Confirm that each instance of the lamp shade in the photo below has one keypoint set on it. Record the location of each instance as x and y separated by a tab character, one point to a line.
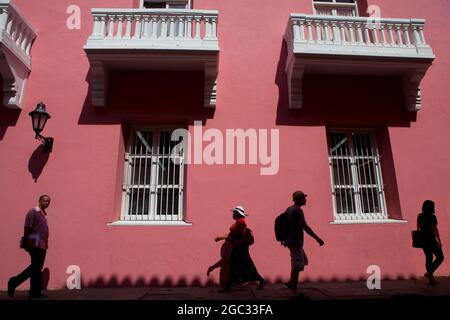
39	117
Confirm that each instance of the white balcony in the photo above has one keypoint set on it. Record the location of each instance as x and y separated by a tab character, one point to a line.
153	39
16	38
356	45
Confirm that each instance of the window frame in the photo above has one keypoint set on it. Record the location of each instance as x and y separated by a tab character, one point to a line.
153	185
358	215
334	5
168	2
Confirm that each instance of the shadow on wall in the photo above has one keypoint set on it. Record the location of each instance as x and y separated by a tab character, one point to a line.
169	281
149	97
37	162
45	278
8	117
343	100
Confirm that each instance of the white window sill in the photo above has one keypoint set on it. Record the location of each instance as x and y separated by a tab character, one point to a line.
360	221
150	223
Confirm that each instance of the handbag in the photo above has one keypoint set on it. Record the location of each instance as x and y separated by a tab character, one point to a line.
417	239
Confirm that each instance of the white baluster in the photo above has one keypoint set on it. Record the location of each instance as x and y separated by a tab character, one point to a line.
367	35
20	29
102	26
129	19
360	33
342	28
111	25
399	35
181	21
310	33
29	43
391	34
188	28
154	27
416	35
163	27
351	31
138	26
197	27
14	28
302	29
325	32
23	43
96	27
383	34
336	34
296	28
207	27
406	33
375	35
119	26
422	35
9	24
146	33
171	27
214	27
3	18
318	31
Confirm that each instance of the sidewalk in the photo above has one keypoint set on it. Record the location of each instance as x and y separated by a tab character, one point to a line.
390	289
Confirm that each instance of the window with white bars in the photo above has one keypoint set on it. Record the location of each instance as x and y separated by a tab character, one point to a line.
357	185
167	4
347	8
154	177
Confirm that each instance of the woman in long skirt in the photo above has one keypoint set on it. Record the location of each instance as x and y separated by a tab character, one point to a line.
242	268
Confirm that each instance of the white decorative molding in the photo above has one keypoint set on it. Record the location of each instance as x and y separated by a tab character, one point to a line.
153	39
355	45
374	221
149	223
16	39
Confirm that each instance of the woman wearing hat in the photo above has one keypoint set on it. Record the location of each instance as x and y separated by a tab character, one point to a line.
242	268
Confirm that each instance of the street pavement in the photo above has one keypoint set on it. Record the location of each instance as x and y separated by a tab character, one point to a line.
348	290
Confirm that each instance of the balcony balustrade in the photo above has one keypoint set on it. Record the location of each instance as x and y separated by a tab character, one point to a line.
16	39
357	45
153	39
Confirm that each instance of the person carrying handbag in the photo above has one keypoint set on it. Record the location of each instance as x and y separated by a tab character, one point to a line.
35	242
431	241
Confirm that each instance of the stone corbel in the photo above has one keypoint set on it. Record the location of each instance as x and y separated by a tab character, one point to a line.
294	73
14	74
411	86
210	85
99	83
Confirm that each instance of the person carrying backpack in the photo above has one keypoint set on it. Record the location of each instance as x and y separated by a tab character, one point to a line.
289	227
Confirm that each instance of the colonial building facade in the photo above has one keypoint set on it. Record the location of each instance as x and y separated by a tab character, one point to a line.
167	114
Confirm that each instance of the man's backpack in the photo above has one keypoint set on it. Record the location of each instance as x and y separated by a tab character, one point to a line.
281	227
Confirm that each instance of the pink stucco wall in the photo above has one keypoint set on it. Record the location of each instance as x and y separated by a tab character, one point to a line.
83	173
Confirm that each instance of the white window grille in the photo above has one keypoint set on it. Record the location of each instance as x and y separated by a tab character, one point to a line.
347	8
167	4
357	185
154	177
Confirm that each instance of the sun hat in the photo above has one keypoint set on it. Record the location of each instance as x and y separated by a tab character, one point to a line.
239	210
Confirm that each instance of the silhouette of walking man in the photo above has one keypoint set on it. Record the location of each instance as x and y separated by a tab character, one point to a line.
35	242
294	238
